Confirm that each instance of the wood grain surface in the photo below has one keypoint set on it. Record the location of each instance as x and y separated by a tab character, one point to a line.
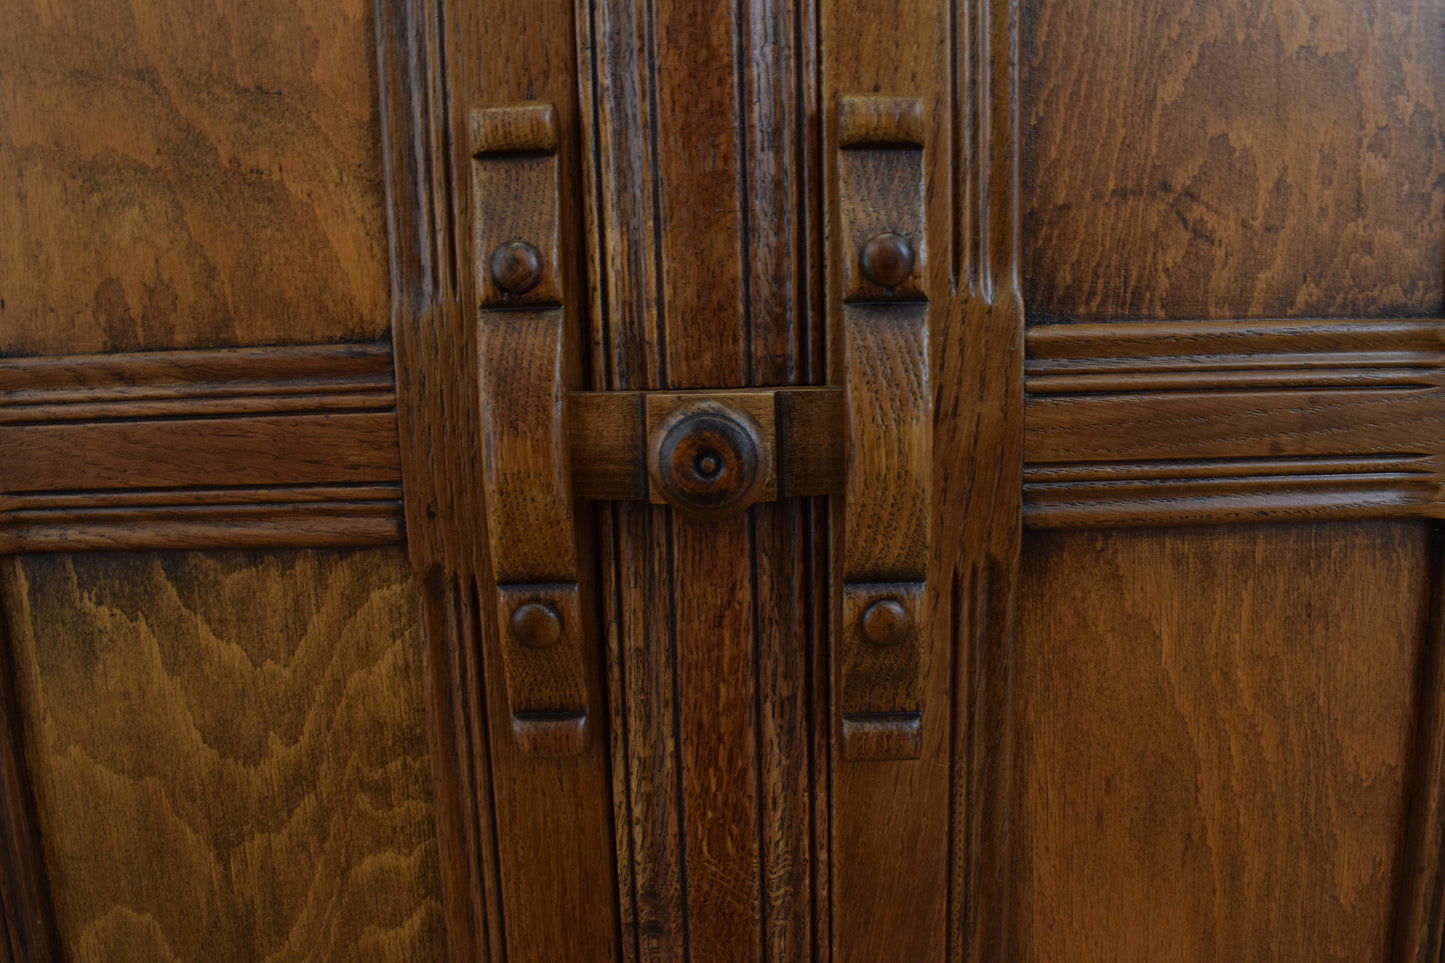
229	754
1215	741
189	174
527	843
196	449
1232	158
703	263
27	933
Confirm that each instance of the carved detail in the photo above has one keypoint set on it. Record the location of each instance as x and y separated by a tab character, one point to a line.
881	197
885	622
515	194
524	457
882	660
543	659
606	432
887	513
709	459
521	128
882	736
516	266
887	259
536	625
872	120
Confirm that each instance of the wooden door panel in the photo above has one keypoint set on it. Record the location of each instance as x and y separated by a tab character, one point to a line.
1231	159
1198	743
190	175
1217	736
1224	733
229	754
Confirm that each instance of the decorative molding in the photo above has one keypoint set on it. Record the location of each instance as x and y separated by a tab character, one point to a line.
297	516
607	439
195	449
1233	355
187	384
1234	421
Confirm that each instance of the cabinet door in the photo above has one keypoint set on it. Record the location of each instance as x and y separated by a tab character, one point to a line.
1087	605
1227	673
215	736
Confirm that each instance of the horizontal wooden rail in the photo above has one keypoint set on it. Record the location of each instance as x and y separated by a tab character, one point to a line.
192	449
1125	424
1228	421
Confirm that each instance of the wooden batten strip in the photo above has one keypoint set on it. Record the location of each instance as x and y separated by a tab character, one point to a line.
1231	500
245	447
1231	424
259	369
1183	339
606	441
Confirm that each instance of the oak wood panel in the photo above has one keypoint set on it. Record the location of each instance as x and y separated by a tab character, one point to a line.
197	175
229	754
1239	158
1215	740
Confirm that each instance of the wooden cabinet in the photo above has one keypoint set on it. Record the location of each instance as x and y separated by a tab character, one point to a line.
947	480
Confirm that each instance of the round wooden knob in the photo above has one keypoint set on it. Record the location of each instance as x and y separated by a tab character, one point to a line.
707	458
516	267
885	622
887	259
536	625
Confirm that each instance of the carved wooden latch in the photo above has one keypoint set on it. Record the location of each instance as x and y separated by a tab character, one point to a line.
707	452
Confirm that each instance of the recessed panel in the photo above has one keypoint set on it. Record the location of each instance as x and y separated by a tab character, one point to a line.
1232	159
189	174
229	754
1215	741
